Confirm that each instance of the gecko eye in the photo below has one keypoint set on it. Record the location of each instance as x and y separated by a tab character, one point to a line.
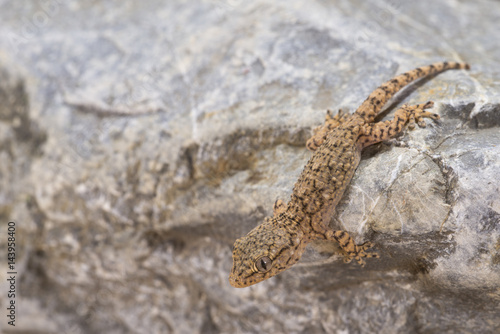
263	264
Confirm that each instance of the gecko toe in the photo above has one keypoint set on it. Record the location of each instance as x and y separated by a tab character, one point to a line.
429	105
360	261
373	255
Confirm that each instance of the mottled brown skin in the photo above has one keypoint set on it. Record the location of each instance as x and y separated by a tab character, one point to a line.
278	243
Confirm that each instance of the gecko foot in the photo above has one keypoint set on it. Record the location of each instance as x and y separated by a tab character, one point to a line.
352	251
418	114
279	207
359	254
320	132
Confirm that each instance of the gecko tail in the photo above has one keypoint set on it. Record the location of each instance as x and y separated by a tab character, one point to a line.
370	108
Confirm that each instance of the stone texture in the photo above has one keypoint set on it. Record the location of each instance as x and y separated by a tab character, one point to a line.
139	140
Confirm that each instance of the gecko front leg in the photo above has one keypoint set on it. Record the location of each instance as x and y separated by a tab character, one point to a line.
349	248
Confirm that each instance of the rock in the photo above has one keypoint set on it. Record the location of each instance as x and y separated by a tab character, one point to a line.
139	141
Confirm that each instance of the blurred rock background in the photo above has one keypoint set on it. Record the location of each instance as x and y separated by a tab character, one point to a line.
138	140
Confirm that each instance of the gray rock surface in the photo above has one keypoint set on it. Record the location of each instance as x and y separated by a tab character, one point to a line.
138	140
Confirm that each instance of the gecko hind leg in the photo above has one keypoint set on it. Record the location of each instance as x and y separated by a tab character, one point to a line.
349	248
373	133
419	114
320	132
279	207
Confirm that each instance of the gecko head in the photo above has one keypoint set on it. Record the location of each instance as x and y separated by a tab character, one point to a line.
266	251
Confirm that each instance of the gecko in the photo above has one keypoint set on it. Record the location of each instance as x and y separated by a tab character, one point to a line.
278	243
